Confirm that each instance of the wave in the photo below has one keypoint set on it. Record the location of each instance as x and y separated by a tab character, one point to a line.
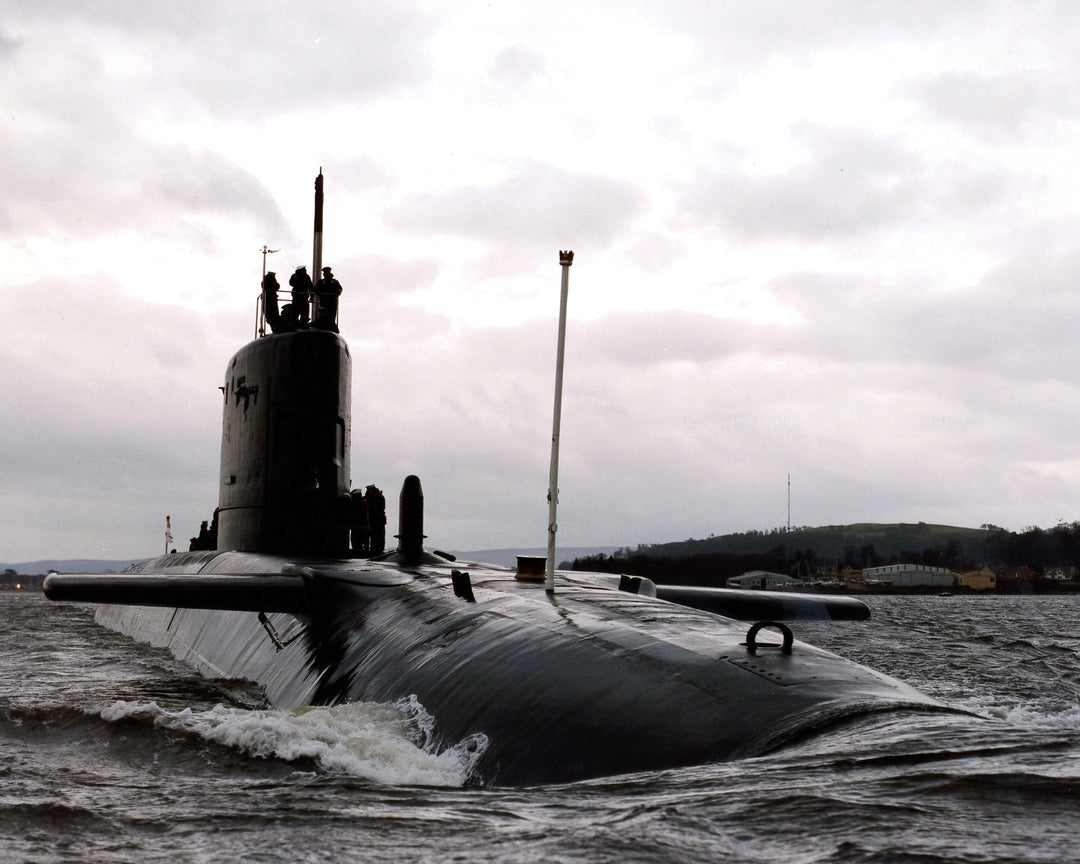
394	744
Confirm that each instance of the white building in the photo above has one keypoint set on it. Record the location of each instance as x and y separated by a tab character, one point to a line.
910	575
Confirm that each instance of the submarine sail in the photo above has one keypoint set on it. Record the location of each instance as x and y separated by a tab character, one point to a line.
606	676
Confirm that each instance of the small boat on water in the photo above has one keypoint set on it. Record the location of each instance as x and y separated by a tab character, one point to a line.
596	676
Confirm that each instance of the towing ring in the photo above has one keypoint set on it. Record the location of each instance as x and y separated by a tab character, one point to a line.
751	637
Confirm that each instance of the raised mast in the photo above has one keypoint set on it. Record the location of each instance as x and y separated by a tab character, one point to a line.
565	260
316	252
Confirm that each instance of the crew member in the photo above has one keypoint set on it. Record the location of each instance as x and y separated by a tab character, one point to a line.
270	302
361	531
301	288
376	513
327	290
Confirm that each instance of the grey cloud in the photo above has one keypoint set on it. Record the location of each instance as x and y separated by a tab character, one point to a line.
331	52
204	182
746	31
665	336
683	445
371	279
105	429
126	184
851	182
998	105
8	47
77	156
517	64
1002	328
540	205
751	30
654	252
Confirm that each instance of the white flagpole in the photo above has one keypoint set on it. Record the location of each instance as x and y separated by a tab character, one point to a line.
565	260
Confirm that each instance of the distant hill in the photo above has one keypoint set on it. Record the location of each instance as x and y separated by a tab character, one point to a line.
73	565
862	543
803	552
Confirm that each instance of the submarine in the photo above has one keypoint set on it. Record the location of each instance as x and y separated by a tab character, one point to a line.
592	676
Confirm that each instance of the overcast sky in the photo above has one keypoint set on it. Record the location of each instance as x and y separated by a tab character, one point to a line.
836	239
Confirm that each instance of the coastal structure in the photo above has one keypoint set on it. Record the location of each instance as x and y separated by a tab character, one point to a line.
977	580
909	576
763	580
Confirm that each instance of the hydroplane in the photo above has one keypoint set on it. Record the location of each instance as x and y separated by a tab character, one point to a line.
593	676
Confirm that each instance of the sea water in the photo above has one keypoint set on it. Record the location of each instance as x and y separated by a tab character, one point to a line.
111	751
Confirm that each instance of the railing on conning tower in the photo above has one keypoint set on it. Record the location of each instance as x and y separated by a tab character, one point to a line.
317	309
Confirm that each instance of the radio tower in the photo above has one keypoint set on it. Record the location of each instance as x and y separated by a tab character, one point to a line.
789	502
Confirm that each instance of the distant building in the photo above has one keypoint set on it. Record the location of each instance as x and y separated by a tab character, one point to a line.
850	574
1060	574
1017	580
977	580
762	580
910	576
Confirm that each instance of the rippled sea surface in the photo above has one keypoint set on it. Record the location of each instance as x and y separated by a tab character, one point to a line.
114	752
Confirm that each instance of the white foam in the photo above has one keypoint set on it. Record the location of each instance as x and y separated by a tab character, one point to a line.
389	743
1030	715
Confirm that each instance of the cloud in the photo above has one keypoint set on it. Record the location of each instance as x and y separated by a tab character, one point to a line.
996	106
749	32
1013	323
111	420
538	205
848	182
665	336
232	66
57	184
518	65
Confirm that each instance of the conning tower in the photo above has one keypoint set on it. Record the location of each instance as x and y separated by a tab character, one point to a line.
285	446
285	436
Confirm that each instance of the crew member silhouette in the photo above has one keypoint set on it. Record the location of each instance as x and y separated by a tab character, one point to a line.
327	290
376	512
361	531
301	288
270	302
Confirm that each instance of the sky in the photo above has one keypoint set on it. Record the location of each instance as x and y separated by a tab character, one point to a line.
835	240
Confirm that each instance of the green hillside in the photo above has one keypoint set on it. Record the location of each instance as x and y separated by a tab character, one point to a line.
853	544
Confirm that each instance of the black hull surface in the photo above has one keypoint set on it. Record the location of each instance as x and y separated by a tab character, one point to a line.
596	677
590	681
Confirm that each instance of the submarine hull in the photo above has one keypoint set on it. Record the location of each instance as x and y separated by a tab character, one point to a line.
603	676
589	682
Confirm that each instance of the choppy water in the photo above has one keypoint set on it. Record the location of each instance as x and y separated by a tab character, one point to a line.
113	752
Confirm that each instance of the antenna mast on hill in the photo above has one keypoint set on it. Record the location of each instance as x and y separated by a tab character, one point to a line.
789	502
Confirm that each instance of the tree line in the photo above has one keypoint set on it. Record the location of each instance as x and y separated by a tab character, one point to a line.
699	563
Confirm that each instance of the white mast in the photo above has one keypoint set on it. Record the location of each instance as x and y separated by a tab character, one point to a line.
266	250
565	260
